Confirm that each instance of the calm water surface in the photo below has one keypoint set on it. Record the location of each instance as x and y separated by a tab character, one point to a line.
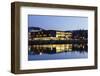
57	51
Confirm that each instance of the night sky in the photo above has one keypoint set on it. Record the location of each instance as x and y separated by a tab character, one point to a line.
63	23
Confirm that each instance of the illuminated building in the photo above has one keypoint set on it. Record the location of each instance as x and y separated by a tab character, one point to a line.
41	34
49	35
63	35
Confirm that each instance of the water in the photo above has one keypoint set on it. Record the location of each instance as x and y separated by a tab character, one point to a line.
57	51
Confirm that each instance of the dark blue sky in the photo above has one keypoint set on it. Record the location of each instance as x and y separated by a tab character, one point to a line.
62	23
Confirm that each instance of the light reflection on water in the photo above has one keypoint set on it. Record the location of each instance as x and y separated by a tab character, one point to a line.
57	51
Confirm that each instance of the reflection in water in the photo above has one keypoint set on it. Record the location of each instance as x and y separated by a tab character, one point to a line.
57	51
56	48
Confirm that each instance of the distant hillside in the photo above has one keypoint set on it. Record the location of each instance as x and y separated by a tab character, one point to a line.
34	29
41	29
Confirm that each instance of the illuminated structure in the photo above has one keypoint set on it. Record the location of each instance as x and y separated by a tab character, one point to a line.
50	35
55	41
36	33
63	35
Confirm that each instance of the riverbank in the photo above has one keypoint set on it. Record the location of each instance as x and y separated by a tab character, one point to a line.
38	42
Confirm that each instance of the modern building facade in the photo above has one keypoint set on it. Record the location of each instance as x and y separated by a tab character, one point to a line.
41	34
50	35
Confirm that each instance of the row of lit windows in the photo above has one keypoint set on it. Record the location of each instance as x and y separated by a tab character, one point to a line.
41	35
63	32
54	46
51	38
56	33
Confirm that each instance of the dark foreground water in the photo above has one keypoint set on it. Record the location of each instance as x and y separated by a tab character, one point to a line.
57	51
